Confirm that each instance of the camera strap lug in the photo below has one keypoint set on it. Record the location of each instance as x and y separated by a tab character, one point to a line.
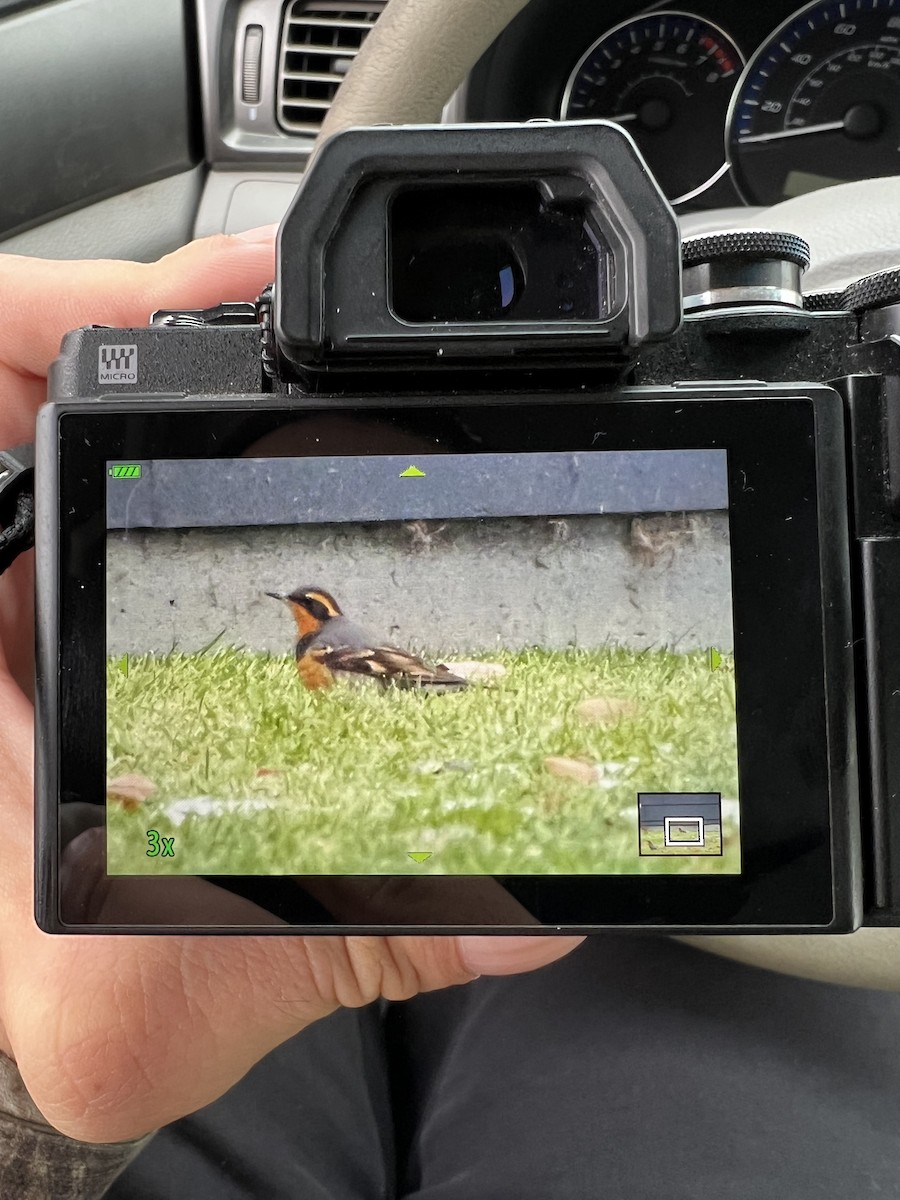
16	503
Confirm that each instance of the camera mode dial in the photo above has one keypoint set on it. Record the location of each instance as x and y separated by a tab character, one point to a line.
876	298
743	267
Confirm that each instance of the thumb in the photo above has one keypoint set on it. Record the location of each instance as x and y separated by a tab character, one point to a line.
507	955
43	299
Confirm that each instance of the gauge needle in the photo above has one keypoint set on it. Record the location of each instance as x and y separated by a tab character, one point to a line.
666	62
799	131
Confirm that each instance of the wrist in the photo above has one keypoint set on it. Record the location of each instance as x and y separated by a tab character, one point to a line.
37	1160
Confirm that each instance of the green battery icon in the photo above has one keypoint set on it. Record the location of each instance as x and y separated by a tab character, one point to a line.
125	471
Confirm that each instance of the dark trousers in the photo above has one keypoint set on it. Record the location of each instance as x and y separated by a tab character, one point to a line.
636	1069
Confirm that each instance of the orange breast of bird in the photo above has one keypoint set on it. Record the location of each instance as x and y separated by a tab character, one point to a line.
314	673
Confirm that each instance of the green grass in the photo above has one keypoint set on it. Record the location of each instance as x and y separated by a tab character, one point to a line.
360	776
653	842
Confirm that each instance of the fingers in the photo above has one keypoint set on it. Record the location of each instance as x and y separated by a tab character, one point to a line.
17	603
42	300
118	1036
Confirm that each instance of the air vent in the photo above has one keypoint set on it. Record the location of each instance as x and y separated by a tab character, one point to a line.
318	44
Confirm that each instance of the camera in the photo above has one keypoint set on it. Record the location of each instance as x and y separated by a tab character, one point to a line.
508	566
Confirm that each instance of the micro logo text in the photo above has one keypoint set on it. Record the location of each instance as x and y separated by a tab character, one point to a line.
117	364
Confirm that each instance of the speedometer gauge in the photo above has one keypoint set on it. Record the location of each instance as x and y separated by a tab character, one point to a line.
667	77
819	103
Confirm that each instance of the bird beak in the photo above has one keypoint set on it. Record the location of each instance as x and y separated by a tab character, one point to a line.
278	596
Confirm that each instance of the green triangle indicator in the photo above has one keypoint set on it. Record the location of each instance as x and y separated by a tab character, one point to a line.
412	472
715	659
419	856
122	664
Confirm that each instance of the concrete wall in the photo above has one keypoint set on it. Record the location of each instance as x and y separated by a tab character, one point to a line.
452	587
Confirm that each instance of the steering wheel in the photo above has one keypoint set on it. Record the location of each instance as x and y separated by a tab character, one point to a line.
421	50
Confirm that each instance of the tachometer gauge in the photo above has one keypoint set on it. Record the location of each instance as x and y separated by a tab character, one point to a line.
667	77
819	103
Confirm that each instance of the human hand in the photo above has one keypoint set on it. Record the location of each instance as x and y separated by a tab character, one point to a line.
115	1036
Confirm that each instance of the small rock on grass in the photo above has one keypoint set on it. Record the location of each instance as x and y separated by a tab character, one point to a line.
129	791
477	672
606	710
576	769
453	764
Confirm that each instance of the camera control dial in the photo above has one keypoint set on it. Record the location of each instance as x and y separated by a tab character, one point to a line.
743	267
876	298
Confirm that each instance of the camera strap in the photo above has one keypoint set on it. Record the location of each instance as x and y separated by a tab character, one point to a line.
16	503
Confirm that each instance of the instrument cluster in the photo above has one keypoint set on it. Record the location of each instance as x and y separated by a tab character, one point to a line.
816	103
727	103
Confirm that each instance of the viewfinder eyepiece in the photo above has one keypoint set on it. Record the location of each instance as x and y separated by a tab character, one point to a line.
434	247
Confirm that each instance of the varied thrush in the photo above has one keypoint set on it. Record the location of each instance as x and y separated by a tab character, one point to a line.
331	647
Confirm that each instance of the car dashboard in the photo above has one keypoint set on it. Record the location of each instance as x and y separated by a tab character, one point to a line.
203	119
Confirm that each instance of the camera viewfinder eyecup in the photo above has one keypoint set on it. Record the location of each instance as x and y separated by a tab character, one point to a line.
432	246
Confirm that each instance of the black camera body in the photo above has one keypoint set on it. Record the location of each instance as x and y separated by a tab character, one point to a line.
509	309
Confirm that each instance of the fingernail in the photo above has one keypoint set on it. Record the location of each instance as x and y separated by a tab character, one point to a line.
509	955
262	233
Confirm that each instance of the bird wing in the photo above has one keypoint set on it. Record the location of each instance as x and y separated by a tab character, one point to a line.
388	665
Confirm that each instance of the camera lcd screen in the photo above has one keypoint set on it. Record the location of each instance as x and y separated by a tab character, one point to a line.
591	666
455	664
